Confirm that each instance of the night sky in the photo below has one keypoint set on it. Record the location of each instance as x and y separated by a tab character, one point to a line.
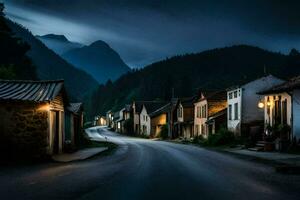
147	31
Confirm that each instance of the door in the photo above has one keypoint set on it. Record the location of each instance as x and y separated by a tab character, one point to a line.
55	131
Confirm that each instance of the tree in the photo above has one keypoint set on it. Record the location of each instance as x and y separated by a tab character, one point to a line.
14	63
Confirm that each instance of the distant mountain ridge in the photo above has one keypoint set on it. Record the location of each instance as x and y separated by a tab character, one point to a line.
187	74
58	43
99	60
51	66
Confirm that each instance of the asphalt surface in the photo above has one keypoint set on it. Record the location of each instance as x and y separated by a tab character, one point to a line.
145	169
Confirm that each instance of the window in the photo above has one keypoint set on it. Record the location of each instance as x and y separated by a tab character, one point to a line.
230	112
198	112
236	111
235	94
197	132
230	95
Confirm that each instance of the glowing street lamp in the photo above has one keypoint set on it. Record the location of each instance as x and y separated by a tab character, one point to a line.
261	105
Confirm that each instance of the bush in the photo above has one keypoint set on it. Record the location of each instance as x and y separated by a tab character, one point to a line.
164	132
223	137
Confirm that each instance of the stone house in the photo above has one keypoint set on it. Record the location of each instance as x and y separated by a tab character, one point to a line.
32	117
281	106
184	120
244	117
109	118
209	112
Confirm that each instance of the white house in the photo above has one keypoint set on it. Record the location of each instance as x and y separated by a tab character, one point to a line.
243	112
206	106
145	124
282	107
148	107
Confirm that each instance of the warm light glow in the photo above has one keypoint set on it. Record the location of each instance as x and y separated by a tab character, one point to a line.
45	107
261	104
268	103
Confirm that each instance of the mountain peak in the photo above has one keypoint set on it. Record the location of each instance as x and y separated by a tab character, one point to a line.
99	43
55	37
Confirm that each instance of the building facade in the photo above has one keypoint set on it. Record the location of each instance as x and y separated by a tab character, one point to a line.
244	117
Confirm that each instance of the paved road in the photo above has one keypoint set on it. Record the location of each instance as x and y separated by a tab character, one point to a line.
144	169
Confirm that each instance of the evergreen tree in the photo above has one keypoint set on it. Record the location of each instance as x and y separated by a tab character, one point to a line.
14	63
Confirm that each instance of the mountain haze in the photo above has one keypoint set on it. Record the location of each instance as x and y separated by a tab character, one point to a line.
187	74
51	66
58	43
99	60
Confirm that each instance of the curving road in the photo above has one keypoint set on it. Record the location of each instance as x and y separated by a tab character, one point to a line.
145	169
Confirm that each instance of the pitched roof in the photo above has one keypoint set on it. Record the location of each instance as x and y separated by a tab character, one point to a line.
148	104
37	91
187	101
75	107
161	110
266	78
214	95
292	84
152	106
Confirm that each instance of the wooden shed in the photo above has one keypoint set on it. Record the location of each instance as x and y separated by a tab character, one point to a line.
32	117
73	125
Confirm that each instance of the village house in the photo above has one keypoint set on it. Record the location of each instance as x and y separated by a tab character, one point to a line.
32	117
184	120
73	125
109	118
158	119
281	105
136	110
244	117
127	123
100	121
145	120
209	113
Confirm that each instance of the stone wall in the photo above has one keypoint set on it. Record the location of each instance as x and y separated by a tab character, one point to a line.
23	130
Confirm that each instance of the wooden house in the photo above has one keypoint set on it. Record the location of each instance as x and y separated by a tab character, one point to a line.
281	106
32	117
73	125
184	120
244	117
158	119
148	107
209	112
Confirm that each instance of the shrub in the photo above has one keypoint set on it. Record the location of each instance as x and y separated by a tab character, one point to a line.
223	137
164	132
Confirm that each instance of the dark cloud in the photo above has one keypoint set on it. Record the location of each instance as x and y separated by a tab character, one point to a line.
145	31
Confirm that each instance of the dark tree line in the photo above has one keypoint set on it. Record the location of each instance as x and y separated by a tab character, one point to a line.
14	63
185	75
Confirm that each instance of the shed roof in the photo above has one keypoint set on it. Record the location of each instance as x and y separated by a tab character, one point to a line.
161	110
37	91
292	84
75	107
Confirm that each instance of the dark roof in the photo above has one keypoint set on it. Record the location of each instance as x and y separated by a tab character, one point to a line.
187	101
148	105
152	106
116	115
37	91
217	114
127	108
214	95
161	110
292	84
75	107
